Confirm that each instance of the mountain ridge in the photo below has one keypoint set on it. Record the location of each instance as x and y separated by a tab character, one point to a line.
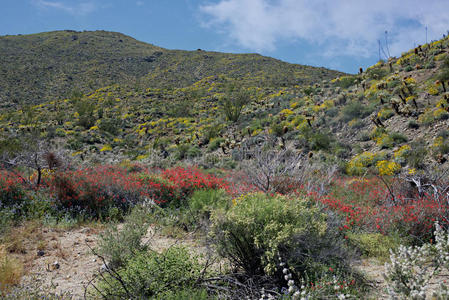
42	66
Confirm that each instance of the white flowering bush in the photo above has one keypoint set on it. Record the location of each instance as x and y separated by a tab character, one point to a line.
411	268
333	289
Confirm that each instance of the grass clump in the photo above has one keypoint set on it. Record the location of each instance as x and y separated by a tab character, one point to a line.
11	272
374	245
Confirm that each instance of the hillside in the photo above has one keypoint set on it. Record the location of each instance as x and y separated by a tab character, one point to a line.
47	66
393	114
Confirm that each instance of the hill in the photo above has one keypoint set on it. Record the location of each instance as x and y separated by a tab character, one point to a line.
390	117
46	66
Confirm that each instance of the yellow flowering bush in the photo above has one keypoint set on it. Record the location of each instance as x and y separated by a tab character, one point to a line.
410	80
286	112
432	90
440	114
385	113
106	148
387	168
401	154
359	163
384	141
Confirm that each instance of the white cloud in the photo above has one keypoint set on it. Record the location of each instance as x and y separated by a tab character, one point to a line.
78	8
341	27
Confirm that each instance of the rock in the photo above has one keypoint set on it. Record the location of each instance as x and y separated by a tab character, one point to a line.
54	266
85	230
103	268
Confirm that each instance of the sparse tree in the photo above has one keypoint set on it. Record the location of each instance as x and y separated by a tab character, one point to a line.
272	169
31	152
234	101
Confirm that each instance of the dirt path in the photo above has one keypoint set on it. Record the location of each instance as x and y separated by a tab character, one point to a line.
68	264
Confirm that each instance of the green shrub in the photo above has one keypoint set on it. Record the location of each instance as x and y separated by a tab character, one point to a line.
412	124
252	233
212	131
355	110
377	73
417	155
166	275
374	245
85	109
184	151
118	245
110	125
233	102
193	151
277	128
321	141
215	143
345	81
398	138
203	201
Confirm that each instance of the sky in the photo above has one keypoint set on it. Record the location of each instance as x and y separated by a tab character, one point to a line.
338	34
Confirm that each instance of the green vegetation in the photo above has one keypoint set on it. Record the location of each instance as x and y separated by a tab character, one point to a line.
296	169
47	66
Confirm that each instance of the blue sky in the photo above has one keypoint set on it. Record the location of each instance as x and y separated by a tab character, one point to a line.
336	34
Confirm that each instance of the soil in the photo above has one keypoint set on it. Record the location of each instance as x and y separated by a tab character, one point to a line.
68	263
71	250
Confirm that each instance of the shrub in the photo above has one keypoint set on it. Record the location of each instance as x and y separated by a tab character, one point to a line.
387	168
417	155
374	244
321	141
188	180
345	81
204	201
85	111
12	194
412	124
154	275
118	245
255	230
110	125
233	102
92	190
411	269
10	272
215	143
398	138
360	163
355	110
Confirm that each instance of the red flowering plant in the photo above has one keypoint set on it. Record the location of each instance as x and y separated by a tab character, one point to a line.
97	189
370	205
12	192
188	180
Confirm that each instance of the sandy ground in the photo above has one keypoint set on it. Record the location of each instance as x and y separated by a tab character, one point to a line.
68	263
